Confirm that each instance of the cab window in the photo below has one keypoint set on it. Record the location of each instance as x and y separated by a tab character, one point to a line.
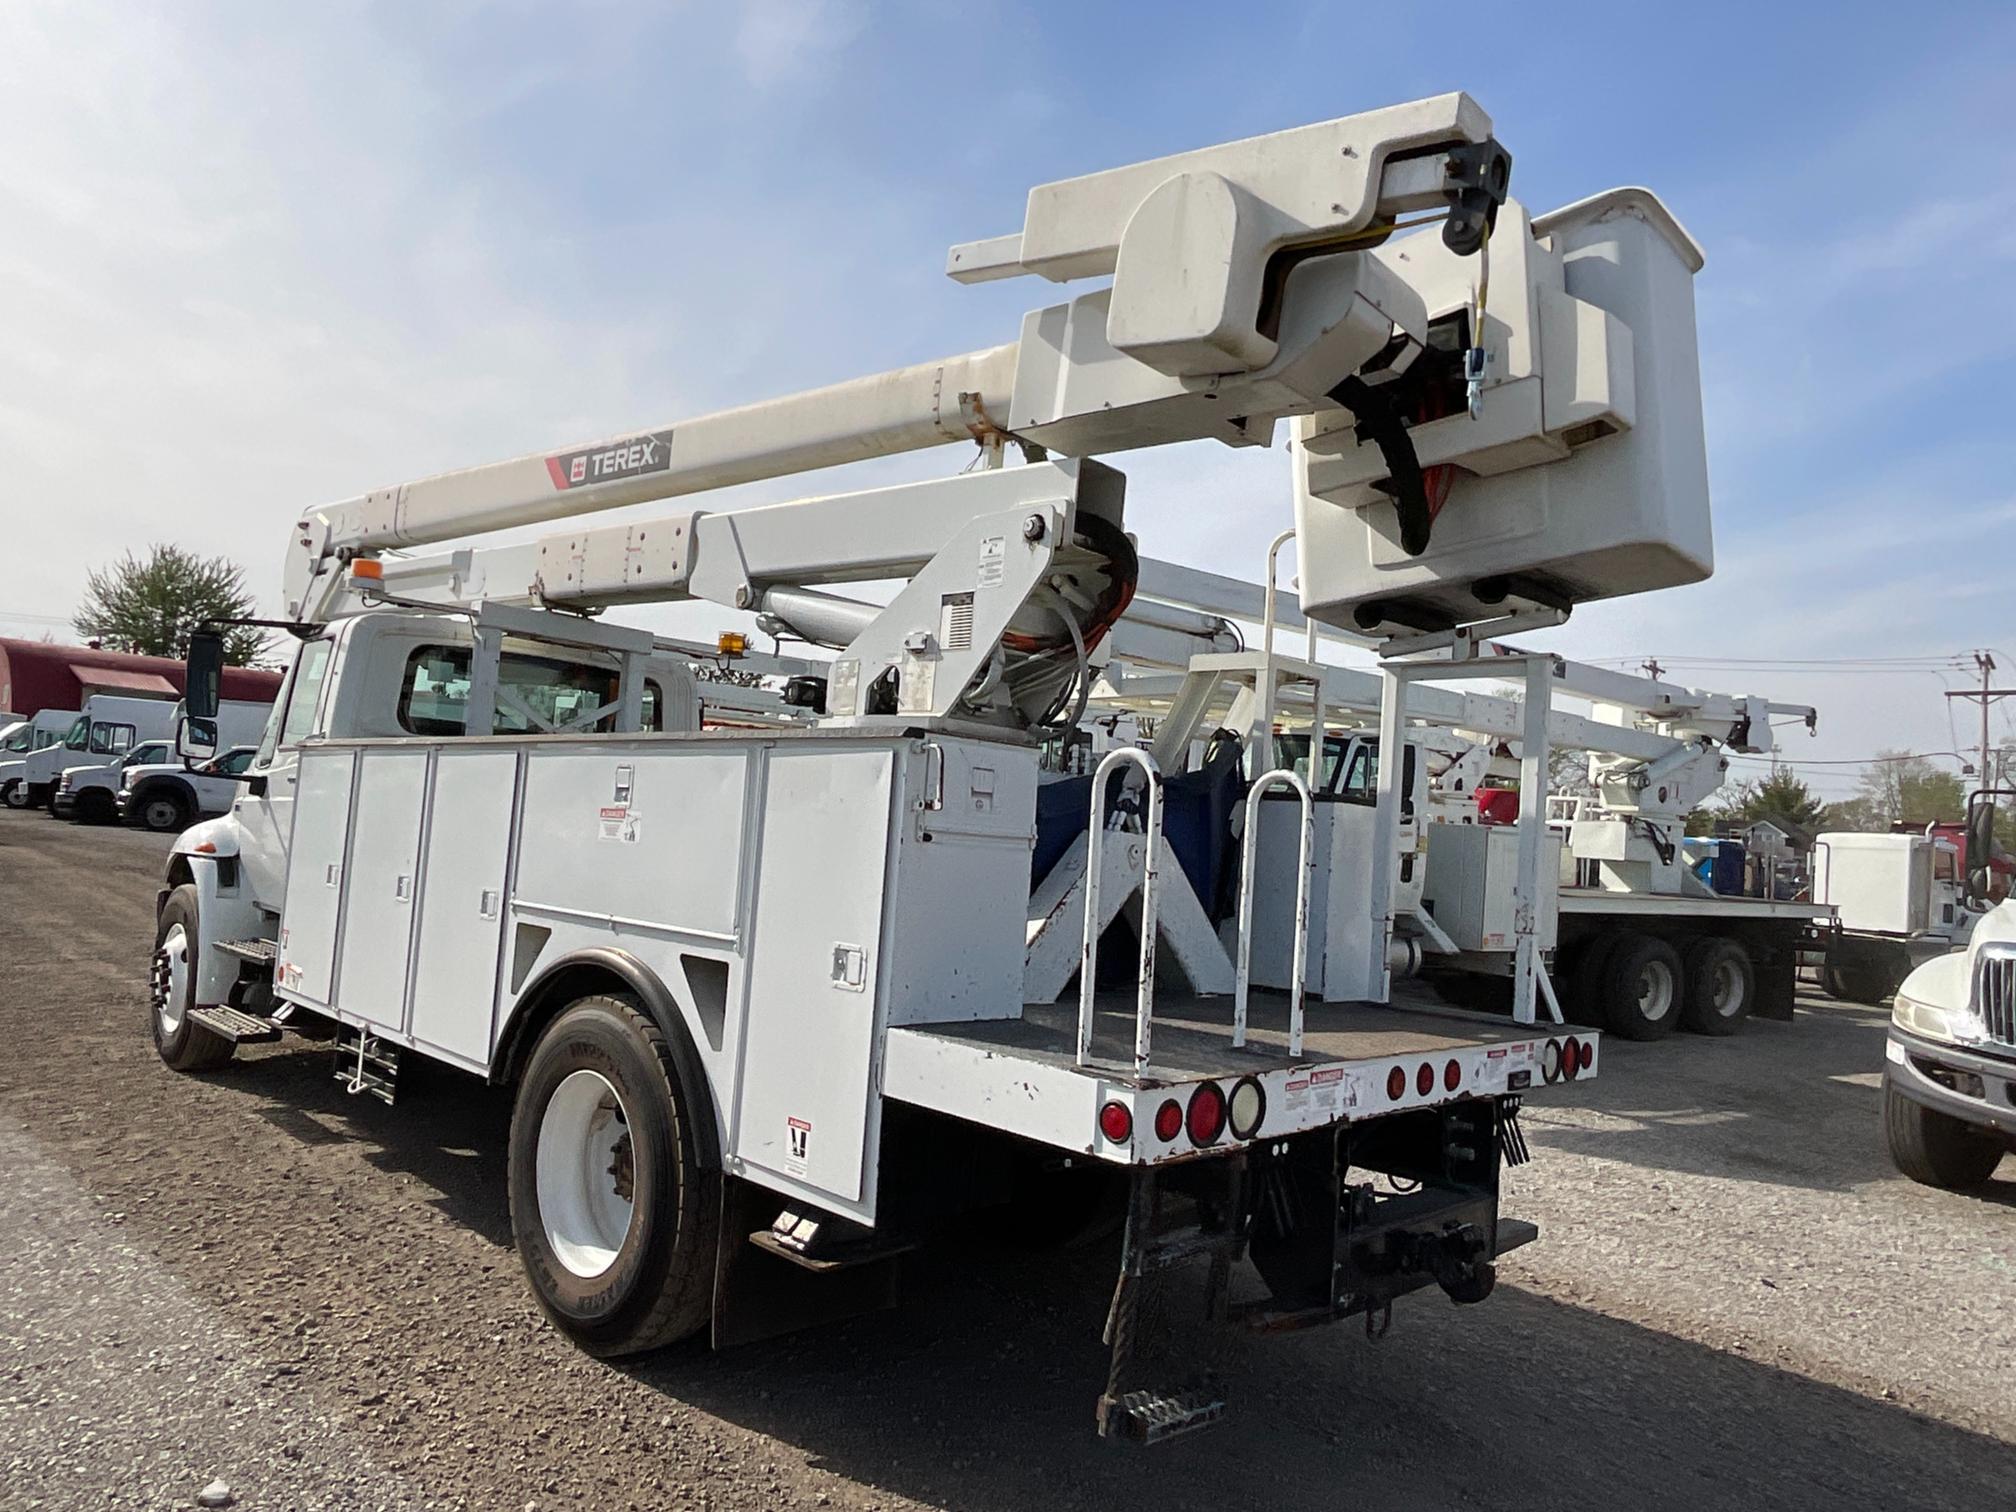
434	694
293	718
79	735
18	736
235	763
109	739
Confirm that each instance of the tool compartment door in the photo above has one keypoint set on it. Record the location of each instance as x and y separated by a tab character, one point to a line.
306	967
808	1069
469	829
377	934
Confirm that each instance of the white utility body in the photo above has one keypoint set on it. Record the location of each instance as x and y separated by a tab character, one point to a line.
776	1002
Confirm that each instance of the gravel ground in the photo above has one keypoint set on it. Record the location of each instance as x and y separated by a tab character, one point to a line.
1734	1303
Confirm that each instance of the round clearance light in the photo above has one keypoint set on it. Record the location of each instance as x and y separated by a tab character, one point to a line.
1571	1057
1588	1056
1424	1079
1396	1084
1550	1061
1248	1106
1206	1116
1452	1076
1168	1120
1116	1122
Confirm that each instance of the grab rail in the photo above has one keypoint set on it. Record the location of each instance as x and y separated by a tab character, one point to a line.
1280	776
1088	960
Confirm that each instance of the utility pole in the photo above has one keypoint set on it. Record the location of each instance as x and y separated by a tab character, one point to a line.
1652	668
1985	696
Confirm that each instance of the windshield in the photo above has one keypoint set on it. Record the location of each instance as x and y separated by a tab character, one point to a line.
80	734
17	736
147	755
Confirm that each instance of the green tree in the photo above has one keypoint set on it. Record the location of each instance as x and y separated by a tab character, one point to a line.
151	605
1899	787
1781	795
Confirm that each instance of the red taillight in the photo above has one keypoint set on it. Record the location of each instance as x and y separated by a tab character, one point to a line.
1424	1079
1571	1057
1452	1076
1588	1055
1168	1120
1206	1118
1396	1084
1116	1122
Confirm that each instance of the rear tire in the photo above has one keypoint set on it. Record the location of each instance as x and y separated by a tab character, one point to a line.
1585	981
1642	988
184	1044
1935	1149
615	1221
1721	986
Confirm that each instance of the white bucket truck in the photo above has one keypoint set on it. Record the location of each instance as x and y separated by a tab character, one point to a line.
761	994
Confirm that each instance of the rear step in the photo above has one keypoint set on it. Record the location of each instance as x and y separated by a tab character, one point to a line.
1150	1417
260	952
824	1244
238	1027
365	1063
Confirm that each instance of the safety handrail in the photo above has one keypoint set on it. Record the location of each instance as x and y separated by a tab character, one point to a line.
1280	776
1088	960
1267	603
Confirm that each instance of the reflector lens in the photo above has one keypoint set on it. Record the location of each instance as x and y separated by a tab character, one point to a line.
1452	1076
1550	1061
1168	1120
1424	1079
1248	1107
1206	1118
1588	1055
1116	1122
1571	1057
1396	1084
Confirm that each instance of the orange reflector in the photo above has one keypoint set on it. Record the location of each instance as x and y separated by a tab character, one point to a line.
206	848
732	643
368	569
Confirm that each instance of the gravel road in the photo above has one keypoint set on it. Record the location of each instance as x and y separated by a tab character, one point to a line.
1734	1303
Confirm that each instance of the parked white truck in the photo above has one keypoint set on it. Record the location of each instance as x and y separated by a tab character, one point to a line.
1901	901
109	725
170	796
23	739
762	994
90	793
1949	1073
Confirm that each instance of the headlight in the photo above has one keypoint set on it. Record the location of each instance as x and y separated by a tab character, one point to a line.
1930	1021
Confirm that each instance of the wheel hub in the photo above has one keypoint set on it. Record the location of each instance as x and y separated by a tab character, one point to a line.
586	1173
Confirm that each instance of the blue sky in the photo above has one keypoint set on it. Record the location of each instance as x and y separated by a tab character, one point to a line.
254	257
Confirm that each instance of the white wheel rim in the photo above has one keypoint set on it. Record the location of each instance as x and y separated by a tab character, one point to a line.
160	814
171	978
1728	991
1655	991
585	1170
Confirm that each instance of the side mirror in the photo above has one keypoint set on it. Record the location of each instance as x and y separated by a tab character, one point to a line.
1980	878
195	739
203	681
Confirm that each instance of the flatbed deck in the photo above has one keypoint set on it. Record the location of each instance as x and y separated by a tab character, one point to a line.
1022	1074
1596	900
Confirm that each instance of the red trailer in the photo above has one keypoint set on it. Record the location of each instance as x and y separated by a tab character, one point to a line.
35	675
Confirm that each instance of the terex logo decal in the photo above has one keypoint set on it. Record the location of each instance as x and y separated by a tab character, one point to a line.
628	458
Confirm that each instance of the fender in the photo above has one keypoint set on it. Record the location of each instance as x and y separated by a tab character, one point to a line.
540	1001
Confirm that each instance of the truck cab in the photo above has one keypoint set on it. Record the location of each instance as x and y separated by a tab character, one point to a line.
89	792
1949	1072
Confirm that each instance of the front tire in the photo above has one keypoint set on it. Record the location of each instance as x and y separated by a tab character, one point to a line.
15	795
1935	1149
163	811
615	1221
184	1044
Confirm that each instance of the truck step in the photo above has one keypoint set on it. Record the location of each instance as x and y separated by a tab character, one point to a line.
1150	1417
238	1027
365	1063
824	1244
259	952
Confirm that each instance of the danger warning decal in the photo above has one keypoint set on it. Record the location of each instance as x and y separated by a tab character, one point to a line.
630	457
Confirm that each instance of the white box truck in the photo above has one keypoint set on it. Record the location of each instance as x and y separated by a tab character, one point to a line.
23	739
108	726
